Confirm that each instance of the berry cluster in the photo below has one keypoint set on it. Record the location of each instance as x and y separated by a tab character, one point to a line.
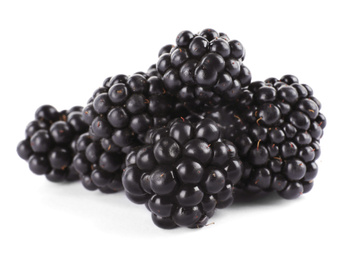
125	108
50	142
99	163
277	131
182	137
119	114
184	174
204	69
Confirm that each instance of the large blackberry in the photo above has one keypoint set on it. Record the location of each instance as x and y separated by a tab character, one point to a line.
50	141
204	68
126	107
277	129
183	174
99	164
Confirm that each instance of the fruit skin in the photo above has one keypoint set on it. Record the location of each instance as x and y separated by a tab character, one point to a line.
204	69
277	128
119	114
183	173
125	108
50	141
99	164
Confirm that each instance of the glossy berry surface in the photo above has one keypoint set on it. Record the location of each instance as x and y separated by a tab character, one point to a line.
125	108
99	164
50	142
277	128
203	69
183	174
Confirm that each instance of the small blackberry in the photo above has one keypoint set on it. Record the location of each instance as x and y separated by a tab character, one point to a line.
203	69
183	174
126	107
99	164
277	129
50	141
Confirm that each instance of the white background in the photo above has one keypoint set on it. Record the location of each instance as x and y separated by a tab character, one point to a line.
58	52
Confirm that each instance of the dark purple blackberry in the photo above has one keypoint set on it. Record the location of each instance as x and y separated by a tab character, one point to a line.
99	164
204	68
125	108
50	142
277	128
183	174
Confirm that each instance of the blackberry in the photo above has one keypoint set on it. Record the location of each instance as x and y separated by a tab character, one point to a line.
204	69
50	141
277	128
183	174
126	107
99	164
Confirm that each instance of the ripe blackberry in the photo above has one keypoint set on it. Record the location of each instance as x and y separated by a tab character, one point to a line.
183	174
204	68
277	129
126	107
99	164
49	146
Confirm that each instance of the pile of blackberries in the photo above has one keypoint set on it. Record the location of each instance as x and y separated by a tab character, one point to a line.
182	137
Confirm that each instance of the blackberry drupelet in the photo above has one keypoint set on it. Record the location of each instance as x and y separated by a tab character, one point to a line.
152	71
50	141
277	128
125	108
203	69
183	174
99	164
